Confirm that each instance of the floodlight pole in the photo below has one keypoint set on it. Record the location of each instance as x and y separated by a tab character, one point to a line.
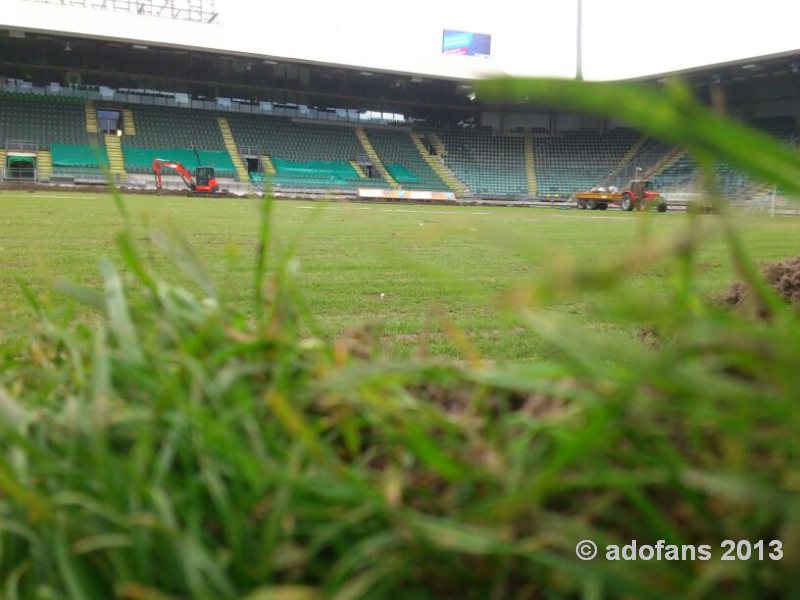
579	44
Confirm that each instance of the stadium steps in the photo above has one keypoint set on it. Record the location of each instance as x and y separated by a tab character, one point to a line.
233	150
266	165
377	163
128	122
437	166
44	165
530	165
670	158
91	117
437	144
116	161
756	189
629	155
357	168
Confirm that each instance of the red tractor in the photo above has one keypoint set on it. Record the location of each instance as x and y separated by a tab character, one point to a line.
640	194
204	181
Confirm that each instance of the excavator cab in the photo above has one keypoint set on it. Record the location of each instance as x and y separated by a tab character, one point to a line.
203	176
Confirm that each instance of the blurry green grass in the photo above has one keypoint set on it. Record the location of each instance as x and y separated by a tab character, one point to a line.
426	259
192	445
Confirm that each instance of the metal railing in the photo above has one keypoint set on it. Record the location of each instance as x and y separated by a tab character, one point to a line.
21	146
20	174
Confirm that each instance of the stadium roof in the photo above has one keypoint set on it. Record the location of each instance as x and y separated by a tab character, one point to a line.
42	58
621	38
100	57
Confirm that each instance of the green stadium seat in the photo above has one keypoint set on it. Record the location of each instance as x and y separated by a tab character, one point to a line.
163	127
403	160
41	121
299	149
489	164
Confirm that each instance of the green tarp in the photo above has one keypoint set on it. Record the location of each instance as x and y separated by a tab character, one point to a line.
142	158
335	171
401	173
68	155
219	159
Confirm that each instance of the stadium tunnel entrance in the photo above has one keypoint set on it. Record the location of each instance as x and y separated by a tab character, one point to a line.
109	120
21	167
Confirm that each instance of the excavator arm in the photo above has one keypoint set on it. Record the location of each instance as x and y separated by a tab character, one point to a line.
160	164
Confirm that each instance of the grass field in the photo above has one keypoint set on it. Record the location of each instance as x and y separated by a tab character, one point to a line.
390	265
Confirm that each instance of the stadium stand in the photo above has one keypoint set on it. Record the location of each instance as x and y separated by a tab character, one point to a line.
315	172
578	160
41	120
431	150
140	160
55	128
650	156
78	161
303	154
486	163
374	158
683	171
191	137
159	127
56	131
403	160
680	171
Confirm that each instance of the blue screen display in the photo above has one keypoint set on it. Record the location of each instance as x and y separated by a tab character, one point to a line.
466	43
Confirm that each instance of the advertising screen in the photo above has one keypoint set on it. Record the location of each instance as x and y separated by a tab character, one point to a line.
466	43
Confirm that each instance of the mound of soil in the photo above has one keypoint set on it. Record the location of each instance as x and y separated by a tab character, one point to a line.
782	276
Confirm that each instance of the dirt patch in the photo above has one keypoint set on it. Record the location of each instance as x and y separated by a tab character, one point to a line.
782	276
649	336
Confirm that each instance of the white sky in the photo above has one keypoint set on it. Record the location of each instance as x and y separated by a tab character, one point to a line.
622	38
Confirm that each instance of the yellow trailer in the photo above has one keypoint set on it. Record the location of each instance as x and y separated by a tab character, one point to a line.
640	194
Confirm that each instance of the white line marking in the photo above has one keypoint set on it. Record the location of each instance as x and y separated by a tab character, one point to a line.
587	217
335	207
34	195
347	207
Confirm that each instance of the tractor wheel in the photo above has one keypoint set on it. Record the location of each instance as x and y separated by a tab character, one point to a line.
581	204
591	205
602	206
662	207
627	203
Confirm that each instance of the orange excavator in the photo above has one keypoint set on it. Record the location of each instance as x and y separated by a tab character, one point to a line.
204	181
